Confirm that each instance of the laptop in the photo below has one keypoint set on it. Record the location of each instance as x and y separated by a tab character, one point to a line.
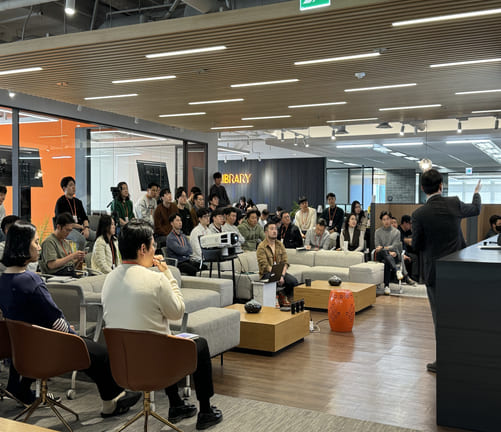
275	274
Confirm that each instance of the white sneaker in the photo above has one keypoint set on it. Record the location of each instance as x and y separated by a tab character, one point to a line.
400	276
387	290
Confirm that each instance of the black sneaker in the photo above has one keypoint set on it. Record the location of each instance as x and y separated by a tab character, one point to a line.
180	412
409	281
432	367
124	403
206	420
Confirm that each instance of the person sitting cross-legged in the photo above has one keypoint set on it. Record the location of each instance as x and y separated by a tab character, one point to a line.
136	298
179	247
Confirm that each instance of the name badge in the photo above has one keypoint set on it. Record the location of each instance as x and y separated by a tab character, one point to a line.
126	219
330	222
75	218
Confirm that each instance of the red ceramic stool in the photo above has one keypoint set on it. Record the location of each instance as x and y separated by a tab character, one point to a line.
341	310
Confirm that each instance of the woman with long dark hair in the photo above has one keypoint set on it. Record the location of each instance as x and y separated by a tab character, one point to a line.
106	255
352	234
362	218
24	297
122	206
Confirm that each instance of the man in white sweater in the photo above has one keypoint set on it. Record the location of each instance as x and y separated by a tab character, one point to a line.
306	217
136	298
199	231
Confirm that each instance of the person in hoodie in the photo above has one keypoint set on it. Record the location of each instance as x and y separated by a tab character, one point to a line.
253	232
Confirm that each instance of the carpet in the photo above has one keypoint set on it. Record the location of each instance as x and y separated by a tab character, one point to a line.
418	290
242	415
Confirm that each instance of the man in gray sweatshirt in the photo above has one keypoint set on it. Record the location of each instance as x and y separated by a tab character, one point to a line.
388	249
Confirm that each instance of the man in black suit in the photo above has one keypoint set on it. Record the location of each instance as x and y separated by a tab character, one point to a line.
437	231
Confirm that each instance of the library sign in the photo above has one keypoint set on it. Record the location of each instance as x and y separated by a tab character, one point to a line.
236	178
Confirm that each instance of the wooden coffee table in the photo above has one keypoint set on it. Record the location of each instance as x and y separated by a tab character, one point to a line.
317	296
271	329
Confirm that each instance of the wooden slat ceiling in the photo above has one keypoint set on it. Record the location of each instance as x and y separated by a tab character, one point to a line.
262	44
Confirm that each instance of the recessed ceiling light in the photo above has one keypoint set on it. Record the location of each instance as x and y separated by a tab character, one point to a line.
447	17
352	146
231	127
265	83
478	91
486	111
187	51
380	87
470	62
16	71
316	105
334	59
398	154
265	118
158	78
410	107
351	120
111	97
463	141
183	114
215	101
417	143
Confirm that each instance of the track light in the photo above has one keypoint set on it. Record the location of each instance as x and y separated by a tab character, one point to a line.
402	130
415	130
341	130
225	159
295	139
333	135
384	125
305	142
243	158
282	136
496	123
69	7
460	127
259	158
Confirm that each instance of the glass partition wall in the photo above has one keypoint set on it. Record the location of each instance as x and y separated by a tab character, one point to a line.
6	156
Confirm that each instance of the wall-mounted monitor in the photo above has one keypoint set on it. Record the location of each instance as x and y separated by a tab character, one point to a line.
30	170
152	171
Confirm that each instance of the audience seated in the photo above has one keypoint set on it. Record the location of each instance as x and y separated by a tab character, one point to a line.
334	216
179	247
188	216
24	297
198	201
388	249
146	205
191	199
161	217
105	255
317	238
269	252
213	204
242	205
217	221
219	190
352	234
306	217
121	207
230	218
6	223
57	256
68	203
199	231
289	234
495	224
363	221
263	219
411	258
136	298
251	231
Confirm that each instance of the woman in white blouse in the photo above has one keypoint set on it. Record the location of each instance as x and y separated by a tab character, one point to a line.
106	255
352	234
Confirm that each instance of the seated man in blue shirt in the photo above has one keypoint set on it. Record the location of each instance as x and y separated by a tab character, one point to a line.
179	247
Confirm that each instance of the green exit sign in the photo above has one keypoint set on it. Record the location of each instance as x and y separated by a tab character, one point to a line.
313	4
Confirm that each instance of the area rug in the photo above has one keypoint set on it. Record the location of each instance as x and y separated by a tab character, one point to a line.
242	415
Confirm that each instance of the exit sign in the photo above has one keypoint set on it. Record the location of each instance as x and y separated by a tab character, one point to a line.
313	4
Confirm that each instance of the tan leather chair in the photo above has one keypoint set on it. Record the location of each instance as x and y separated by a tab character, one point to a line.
147	361
5	353
41	353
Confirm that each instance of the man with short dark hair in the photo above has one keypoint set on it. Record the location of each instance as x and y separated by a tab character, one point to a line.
334	216
191	199
57	256
189	217
306	217
251	231
146	205
263	219
217	221
317	238
199	231
437	231
219	190
179	247
495	224
198	201
136	298
270	252
161	217
68	203
289	234
230	219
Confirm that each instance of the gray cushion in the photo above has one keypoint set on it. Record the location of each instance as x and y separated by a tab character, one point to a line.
325	272
196	299
338	258
177	275
306	258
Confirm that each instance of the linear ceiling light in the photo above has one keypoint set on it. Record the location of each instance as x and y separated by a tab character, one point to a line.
403	144
215	101
478	92
16	71
183	114
352	120
265	83
380	87
486	111
398	154
69	7
350	164
185	52
231	127
111	97
317	105
411	158
229	150
410	107
465	63
447	17
353	146
335	160
266	118
334	59
472	141
158	78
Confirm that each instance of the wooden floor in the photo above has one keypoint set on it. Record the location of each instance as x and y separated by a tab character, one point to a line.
377	372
